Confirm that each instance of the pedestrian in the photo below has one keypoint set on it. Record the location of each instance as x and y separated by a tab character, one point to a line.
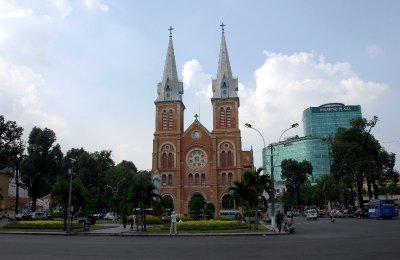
173	223
279	219
124	220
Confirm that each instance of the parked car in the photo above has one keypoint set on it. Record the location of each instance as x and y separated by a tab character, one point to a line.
312	214
111	216
361	213
22	217
38	215
348	213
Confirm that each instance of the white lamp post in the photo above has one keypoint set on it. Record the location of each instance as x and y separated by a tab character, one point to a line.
69	210
272	170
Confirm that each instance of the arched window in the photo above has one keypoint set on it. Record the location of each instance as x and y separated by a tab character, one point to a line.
164	179
224	89
167	92
171	119
190	179
203	179
222	117
164	120
170	179
230	158
223	159
164	160
229	178
228	117
196	179
170	161
223	178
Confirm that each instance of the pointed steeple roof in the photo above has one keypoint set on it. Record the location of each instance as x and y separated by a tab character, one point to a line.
170	88
224	86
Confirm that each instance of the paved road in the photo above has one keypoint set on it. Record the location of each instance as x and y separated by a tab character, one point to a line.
345	239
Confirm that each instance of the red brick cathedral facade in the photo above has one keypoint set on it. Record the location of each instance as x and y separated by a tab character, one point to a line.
194	161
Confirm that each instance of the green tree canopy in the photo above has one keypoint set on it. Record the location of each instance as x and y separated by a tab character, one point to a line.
295	176
11	142
42	164
359	157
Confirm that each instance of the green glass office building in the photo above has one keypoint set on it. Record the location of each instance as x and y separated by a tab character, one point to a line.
325	120
318	123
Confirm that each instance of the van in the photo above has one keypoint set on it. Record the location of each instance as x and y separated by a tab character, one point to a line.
230	213
311	214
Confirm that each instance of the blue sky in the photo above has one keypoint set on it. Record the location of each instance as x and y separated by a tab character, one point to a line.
88	69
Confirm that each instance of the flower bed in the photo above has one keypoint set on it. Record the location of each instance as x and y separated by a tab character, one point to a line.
46	224
209	225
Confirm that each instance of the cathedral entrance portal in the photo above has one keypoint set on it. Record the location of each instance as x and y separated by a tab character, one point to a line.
196	206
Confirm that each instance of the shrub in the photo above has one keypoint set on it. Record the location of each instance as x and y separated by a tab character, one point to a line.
46	224
209	225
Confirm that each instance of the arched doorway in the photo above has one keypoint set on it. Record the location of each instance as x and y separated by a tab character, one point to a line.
227	202
167	204
196	206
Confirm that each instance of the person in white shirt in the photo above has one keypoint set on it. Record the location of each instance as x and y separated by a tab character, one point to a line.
173	223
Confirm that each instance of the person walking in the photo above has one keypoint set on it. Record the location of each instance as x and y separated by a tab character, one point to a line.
279	219
173	223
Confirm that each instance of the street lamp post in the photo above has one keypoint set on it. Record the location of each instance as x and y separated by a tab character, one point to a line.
114	190
272	169
69	210
273	177
263	151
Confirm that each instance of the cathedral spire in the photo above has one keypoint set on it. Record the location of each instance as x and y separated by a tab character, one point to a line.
224	86
170	88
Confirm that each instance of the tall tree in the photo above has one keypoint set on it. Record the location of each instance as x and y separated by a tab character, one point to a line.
11	143
42	164
360	157
295	176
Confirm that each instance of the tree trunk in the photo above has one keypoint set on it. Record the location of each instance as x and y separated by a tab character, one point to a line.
360	193
369	188
376	190
255	219
33	197
17	187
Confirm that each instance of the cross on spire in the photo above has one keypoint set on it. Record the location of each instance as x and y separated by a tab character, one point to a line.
196	116
170	31
222	26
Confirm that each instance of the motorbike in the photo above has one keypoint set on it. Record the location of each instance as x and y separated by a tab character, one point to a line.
289	227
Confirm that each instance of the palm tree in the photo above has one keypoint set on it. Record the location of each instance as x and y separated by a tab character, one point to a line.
246	193
257	184
239	192
143	194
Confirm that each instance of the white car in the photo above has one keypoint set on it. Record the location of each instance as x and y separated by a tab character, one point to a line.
111	216
312	214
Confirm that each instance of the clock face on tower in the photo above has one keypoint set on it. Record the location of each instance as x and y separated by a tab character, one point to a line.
196	159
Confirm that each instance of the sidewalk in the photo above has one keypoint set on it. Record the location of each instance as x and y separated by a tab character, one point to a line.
119	230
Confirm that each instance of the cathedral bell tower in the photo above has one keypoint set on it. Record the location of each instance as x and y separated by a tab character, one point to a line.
225	100
169	117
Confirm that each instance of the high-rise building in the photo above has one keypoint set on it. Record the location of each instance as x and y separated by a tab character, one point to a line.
195	161
319	123
325	120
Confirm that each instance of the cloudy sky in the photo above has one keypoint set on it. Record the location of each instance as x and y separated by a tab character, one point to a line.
88	69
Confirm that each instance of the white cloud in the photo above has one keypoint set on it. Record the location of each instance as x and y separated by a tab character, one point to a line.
19	87
96	4
16	13
63	6
288	84
194	78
